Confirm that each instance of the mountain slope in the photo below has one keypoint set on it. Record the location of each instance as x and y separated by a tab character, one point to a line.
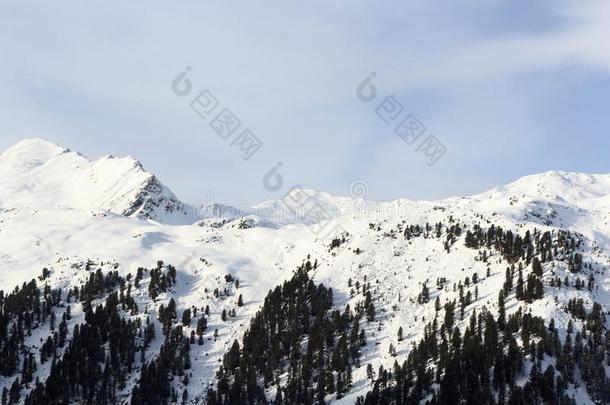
405	254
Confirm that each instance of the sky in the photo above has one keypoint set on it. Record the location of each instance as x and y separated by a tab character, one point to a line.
508	88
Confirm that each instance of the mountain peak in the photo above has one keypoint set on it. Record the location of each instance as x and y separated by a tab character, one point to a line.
36	173
556	186
32	152
36	143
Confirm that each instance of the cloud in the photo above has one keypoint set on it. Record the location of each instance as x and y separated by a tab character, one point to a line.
96	77
578	42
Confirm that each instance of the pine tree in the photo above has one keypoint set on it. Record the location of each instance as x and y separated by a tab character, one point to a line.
519	291
186	317
501	311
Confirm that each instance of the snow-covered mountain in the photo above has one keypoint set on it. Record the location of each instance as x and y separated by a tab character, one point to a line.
61	212
39	174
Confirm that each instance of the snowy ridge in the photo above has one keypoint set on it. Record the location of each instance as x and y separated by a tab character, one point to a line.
60	211
39	174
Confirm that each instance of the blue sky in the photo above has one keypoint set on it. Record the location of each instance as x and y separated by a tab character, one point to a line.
509	87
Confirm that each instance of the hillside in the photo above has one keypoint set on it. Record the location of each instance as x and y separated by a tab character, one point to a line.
411	272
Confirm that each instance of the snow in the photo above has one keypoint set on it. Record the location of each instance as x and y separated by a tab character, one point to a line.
59	210
39	174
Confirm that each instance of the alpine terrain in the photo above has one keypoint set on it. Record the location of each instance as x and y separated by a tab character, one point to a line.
116	292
